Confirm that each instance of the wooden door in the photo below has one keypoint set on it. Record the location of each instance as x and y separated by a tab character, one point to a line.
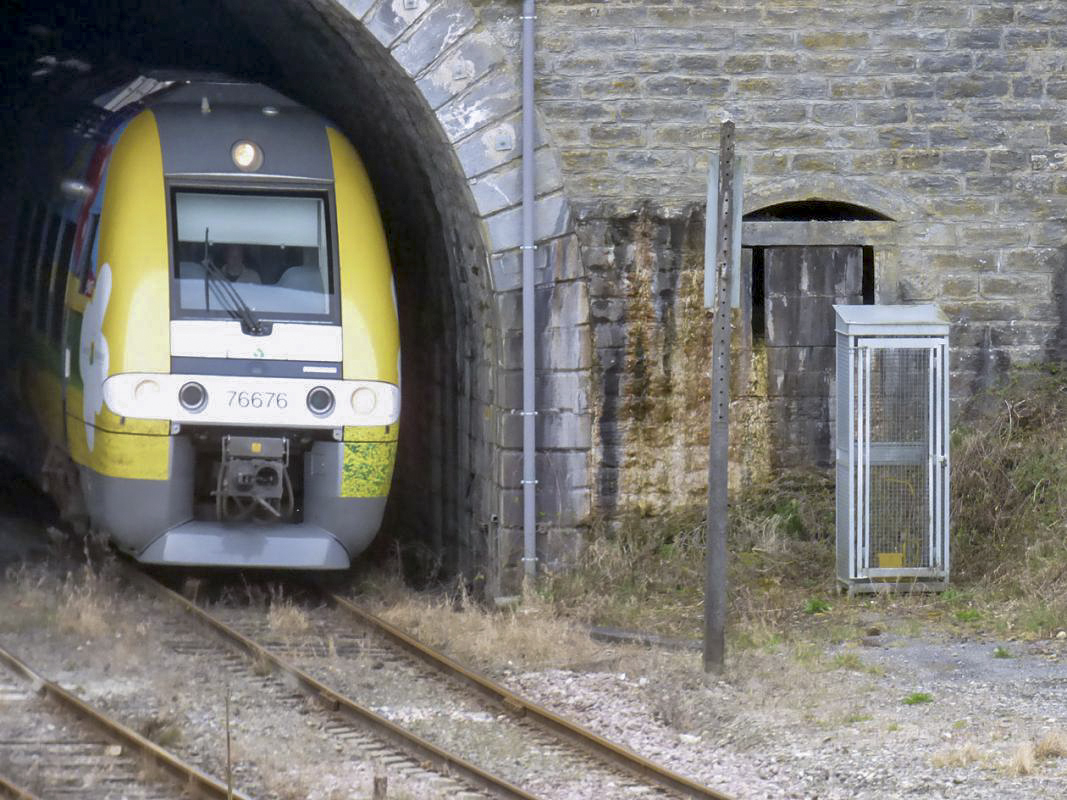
801	286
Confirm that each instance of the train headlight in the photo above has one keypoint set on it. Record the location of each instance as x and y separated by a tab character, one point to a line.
192	396
146	391
247	156
320	401
364	400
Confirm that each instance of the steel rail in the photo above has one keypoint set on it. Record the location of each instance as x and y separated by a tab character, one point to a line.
193	779
444	762
632	762
10	789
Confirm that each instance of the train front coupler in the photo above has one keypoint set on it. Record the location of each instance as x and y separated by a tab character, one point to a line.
253	480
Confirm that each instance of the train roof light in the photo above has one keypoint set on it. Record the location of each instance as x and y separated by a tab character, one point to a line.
247	156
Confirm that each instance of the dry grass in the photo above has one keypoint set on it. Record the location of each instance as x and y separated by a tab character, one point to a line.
1009	485
286	619
530	636
288	785
959	756
1022	760
87	604
647	573
163	731
27	596
1052	745
1009	482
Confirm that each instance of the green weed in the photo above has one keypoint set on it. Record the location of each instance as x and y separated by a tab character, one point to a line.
855	718
1001	652
816	605
918	698
849	661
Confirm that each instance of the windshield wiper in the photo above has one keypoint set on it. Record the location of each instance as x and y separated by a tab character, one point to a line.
228	294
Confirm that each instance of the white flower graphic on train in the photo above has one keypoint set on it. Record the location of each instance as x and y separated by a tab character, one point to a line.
93	352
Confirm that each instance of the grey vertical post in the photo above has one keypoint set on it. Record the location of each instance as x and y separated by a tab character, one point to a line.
718	450
529	430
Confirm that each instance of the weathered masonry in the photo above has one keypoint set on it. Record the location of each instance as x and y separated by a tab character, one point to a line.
897	152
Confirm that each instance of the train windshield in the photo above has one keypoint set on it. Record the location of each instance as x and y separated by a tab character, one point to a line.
267	254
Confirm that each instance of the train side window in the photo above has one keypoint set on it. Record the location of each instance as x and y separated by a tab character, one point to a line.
59	282
45	261
22	236
34	242
85	257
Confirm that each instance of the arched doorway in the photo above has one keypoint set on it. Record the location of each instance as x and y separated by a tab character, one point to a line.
800	258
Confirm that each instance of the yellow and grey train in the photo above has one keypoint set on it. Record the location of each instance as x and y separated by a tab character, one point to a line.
207	330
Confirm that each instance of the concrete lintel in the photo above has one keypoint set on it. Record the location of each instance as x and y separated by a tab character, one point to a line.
858	191
853	232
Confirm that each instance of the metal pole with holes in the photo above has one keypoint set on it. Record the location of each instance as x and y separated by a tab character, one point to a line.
529	317
718	449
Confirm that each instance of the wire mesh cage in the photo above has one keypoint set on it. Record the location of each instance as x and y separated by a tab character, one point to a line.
892	448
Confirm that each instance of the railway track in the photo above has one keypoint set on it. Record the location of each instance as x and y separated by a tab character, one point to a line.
552	723
10	789
54	745
377	681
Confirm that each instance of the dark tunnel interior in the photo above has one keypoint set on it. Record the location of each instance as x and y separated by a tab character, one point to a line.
57	57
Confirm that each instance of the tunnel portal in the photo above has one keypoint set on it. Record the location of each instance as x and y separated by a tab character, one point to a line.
431	103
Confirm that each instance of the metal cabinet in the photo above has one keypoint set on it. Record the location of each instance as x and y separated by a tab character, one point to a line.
892	443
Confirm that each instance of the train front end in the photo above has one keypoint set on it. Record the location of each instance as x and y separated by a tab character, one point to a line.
245	408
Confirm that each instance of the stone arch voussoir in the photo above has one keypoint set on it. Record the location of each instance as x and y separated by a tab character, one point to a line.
856	191
474	90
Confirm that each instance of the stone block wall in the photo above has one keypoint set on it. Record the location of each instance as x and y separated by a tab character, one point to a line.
948	119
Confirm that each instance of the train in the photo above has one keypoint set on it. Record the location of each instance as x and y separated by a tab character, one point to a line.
203	308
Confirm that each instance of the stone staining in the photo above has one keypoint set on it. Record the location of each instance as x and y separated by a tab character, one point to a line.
948	118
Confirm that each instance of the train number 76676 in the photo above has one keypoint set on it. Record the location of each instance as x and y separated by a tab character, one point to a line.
257	399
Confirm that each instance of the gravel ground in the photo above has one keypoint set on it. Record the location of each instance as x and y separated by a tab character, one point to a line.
54	754
835	725
159	675
421	700
787	721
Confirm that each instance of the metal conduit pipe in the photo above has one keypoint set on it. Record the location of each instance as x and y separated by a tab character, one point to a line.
529	414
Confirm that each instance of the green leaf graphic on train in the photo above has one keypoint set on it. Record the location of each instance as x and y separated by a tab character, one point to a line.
368	469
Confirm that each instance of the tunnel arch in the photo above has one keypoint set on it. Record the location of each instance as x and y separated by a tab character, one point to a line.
432	103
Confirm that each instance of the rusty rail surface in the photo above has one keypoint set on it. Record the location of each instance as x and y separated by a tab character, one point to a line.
193	779
10	789
592	743
444	762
